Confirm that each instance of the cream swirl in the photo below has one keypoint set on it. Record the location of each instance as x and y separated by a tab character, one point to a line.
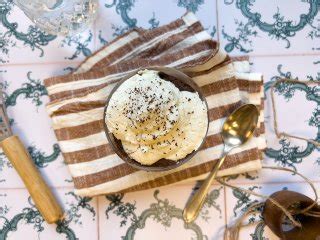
154	120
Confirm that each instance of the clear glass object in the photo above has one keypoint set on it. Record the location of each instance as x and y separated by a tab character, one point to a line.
60	17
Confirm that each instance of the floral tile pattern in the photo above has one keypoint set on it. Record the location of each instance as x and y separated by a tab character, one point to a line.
302	121
269	27
122	15
20	218
21	42
283	40
158	212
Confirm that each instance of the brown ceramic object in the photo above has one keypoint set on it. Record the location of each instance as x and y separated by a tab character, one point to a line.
294	202
183	83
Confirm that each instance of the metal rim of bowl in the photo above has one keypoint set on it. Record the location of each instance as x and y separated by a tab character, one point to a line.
125	157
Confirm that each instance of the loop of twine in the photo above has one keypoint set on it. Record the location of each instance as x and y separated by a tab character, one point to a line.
232	233
275	121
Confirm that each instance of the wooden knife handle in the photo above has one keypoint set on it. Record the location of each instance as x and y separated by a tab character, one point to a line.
41	194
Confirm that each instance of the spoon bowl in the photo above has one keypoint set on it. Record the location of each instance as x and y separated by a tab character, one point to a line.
240	125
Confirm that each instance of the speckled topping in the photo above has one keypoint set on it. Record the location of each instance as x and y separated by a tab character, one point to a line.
154	120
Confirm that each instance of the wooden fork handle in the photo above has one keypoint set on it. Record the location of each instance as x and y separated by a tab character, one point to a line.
41	194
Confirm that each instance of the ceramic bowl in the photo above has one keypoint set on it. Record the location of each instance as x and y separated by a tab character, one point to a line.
183	83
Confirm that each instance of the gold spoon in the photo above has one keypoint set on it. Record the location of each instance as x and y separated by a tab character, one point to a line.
237	129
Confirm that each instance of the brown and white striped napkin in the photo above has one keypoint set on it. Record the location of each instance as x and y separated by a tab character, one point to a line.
77	101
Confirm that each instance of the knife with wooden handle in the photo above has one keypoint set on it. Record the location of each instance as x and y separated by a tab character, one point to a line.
13	148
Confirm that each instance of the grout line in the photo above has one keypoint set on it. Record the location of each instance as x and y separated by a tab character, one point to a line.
250	183
98	217
24	188
225	207
95	35
186	184
39	63
317	54
232	55
217	20
274	183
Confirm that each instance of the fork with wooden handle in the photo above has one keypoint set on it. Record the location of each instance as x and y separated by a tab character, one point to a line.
41	194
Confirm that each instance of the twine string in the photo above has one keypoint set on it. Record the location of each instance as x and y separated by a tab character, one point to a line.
278	133
232	232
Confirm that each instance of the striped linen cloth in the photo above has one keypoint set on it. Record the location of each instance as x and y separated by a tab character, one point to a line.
77	101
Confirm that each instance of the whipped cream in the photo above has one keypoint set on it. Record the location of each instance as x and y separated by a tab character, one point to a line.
155	120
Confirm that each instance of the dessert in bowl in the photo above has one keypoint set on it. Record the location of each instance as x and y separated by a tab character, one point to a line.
156	119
